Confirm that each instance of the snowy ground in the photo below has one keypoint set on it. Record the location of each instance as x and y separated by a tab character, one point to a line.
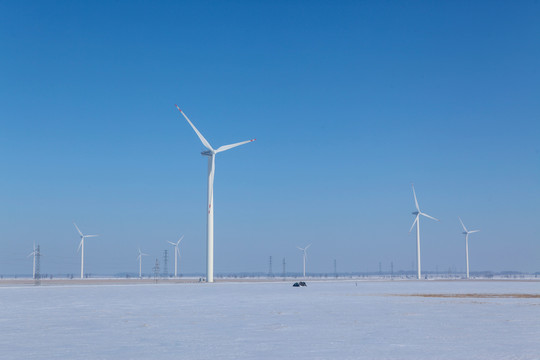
326	320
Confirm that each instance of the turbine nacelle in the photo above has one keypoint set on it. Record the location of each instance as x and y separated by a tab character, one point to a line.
465	231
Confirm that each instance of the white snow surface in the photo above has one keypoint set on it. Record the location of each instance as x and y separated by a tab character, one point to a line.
325	320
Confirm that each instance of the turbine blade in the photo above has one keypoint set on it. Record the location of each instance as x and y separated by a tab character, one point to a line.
170	242
464	228
80	233
32	253
227	147
307	246
80	244
473	231
414	223
87	236
415	201
181	237
203	140
299	248
429	216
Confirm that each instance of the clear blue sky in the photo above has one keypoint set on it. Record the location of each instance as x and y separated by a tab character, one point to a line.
350	102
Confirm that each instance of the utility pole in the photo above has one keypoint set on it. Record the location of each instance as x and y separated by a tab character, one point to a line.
270	273
156	270
165	267
284	272
392	270
380	269
335	268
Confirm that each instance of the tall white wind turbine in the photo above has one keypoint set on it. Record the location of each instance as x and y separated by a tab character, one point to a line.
304	256
141	254
466	233
176	254
81	247
211	153
33	253
417	213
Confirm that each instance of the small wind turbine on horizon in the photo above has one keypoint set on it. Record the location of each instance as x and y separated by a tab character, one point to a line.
466	233
176	254
141	254
81	247
34	253
211	153
417	213
304	256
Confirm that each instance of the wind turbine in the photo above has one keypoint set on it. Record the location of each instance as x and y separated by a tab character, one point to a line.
81	247
33	253
140	262
417	213
176	254
304	256
211	153
466	233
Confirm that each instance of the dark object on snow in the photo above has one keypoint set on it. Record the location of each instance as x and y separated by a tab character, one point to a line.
298	284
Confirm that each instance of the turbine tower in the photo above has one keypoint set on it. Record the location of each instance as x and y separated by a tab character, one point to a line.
466	233
417	213
304	256
141	254
211	153
81	247
176	254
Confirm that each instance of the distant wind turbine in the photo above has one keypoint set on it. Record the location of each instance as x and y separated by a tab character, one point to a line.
141	254
81	247
304	256
417	213
211	153
176	254
466	233
33	253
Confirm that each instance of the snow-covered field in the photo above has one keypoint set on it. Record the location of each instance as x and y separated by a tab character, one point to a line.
254	320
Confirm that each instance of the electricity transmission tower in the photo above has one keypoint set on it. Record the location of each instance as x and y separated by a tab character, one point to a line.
165	267
335	268
284	267
270	273
156	270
